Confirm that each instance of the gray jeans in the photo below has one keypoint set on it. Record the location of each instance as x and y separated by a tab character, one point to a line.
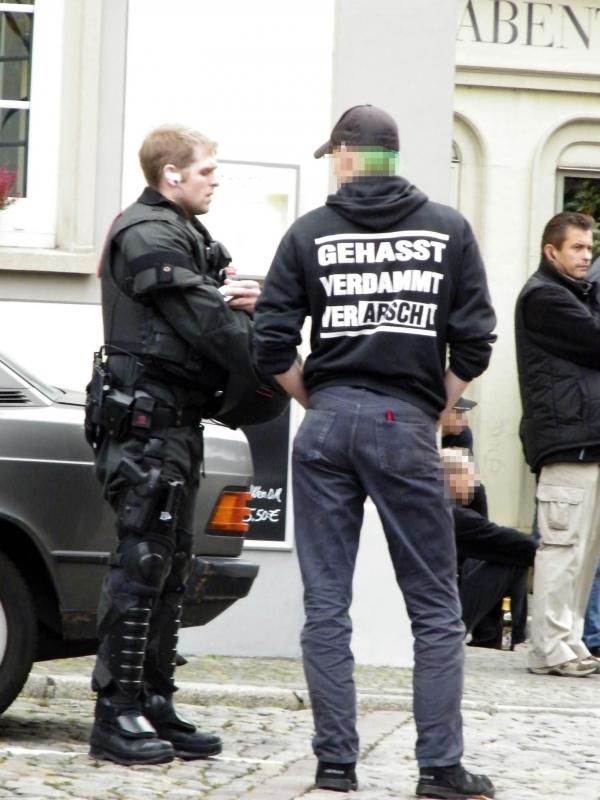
353	443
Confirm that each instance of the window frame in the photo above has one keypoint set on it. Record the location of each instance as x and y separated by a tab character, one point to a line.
31	221
571	172
18	104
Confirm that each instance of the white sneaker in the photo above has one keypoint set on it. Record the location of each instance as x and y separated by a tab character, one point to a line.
576	668
592	661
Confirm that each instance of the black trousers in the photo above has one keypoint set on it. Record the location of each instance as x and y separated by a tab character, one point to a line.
151	479
482	585
494	564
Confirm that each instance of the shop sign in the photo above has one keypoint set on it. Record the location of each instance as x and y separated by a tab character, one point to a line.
564	26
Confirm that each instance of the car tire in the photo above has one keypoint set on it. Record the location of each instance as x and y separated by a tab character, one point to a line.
18	632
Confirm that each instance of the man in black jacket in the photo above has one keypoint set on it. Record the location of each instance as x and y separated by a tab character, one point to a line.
170	336
390	280
558	357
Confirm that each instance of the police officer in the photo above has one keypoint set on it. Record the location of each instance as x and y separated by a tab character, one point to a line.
171	339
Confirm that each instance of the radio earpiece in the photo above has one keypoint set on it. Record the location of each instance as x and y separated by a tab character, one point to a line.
174	178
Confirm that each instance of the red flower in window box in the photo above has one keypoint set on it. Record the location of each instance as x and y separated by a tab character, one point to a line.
7	182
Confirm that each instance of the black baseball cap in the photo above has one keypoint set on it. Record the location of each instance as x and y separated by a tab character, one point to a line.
362	126
462	404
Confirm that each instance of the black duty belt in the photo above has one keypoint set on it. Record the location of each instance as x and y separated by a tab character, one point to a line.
159	416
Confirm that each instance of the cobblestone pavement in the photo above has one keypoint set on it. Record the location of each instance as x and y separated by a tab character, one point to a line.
536	736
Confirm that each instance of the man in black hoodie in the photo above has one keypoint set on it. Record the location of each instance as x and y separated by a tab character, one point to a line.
390	281
557	321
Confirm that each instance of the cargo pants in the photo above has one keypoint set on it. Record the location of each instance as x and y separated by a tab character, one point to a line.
568	518
353	443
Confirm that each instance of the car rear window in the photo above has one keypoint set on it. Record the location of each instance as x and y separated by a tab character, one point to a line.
50	391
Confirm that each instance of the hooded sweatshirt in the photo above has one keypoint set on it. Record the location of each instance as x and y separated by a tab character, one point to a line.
394	285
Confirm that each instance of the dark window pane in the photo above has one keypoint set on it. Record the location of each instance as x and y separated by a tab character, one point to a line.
15	55
13	144
15	78
583	195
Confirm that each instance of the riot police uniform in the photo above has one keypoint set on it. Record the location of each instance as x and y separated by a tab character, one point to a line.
170	338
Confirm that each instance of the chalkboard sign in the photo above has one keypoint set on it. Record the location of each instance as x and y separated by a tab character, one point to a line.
269	444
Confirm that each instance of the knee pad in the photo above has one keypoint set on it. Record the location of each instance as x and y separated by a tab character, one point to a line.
145	565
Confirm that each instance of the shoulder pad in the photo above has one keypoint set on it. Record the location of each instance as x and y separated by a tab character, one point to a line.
139	212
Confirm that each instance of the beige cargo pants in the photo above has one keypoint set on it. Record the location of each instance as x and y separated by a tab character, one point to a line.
568	516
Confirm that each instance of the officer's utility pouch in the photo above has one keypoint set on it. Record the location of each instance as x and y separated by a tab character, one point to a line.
117	414
96	391
143	410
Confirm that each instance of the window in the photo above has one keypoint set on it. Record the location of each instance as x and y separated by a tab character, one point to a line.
581	192
578	182
467	185
31	54
16	35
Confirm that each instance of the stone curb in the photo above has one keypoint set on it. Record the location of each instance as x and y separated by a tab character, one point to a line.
77	687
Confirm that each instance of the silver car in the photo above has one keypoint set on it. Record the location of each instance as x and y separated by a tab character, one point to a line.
56	530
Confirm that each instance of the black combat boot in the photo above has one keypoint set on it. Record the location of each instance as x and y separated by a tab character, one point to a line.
123	735
187	741
159	685
120	732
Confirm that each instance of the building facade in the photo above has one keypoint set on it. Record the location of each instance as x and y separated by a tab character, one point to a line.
499	111
526	145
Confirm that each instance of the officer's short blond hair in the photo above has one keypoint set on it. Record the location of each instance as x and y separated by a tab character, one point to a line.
170	144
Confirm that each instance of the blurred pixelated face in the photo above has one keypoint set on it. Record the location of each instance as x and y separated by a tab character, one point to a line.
460	473
198	182
351	163
574	256
344	164
454	422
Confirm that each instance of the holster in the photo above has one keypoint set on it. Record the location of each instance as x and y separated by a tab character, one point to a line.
150	504
139	503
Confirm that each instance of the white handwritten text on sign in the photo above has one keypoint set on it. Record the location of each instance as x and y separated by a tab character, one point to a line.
264	514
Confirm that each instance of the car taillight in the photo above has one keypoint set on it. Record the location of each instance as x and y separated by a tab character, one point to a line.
230	512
